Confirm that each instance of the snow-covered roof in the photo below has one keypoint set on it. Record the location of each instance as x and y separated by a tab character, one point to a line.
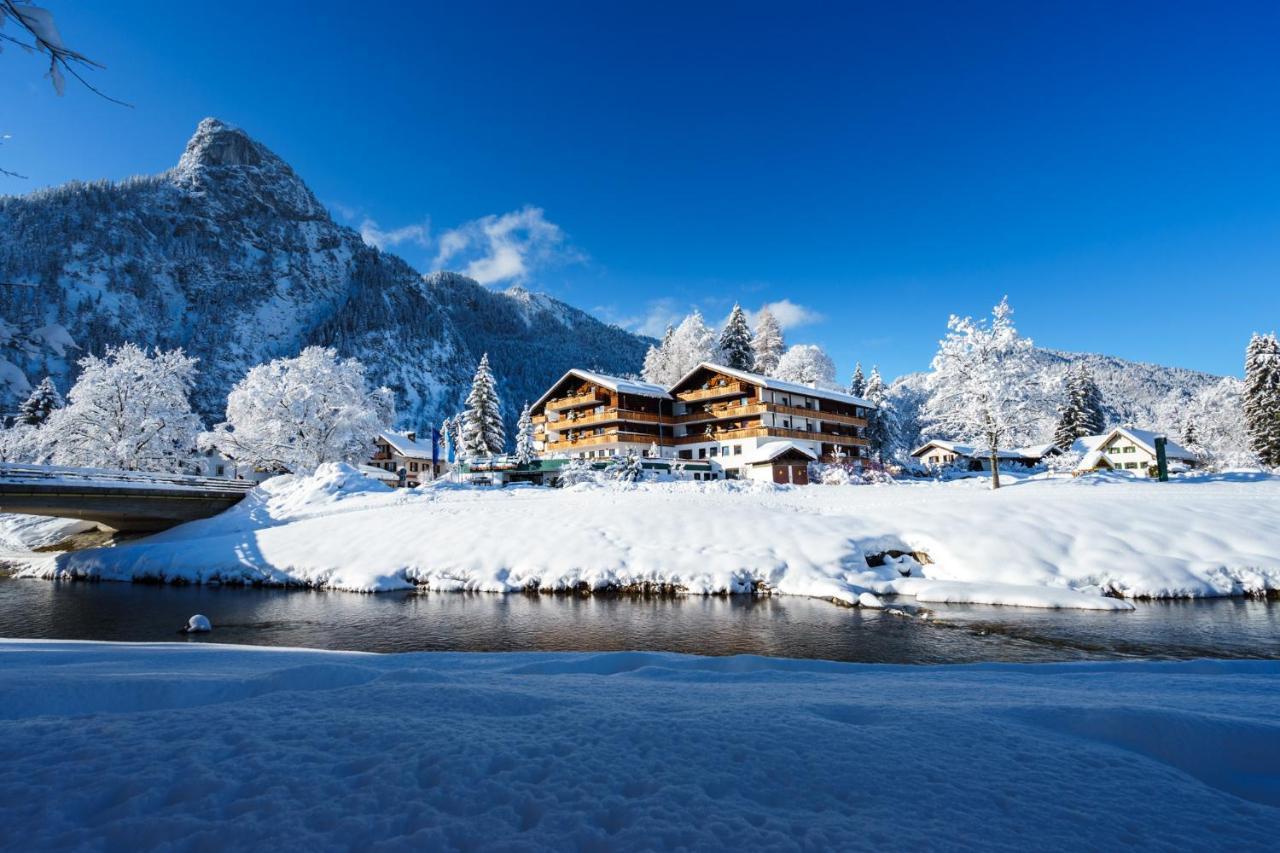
1035	451
613	383
771	450
966	450
406	446
1144	438
1091	460
778	384
378	473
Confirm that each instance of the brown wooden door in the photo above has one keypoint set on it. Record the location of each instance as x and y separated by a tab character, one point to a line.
780	474
800	475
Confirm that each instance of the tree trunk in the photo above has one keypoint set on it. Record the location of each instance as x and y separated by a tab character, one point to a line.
995	471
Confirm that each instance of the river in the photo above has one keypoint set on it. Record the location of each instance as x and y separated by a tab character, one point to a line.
716	625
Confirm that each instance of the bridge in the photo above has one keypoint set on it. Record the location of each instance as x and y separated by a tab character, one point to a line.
131	501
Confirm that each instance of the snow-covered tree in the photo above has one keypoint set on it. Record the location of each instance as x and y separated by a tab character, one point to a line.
129	409
692	343
768	343
654	451
807	364
1080	412
625	469
36	409
1213	426
858	384
482	430
982	393
656	361
1262	397
295	414
525	453
882	421
22	443
736	340
577	470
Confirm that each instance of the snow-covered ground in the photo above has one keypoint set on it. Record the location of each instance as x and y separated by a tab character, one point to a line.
185	747
1057	542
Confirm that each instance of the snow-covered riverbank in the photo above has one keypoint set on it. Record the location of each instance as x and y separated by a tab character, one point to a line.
197	747
1040	542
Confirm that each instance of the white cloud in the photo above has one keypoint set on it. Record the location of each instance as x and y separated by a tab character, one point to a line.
657	315
504	248
419	235
789	314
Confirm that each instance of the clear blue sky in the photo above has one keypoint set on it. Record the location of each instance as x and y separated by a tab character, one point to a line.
1113	167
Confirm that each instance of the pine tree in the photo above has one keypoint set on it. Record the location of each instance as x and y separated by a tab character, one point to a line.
43	400
858	385
625	469
482	430
657	360
1261	397
882	423
525	453
768	344
1080	413
735	341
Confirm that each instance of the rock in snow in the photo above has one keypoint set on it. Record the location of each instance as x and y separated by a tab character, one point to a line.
868	599
198	624
1038	543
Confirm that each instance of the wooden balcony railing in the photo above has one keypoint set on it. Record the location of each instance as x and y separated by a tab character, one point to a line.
729	389
591	398
607	438
767	432
607	416
719	413
817	415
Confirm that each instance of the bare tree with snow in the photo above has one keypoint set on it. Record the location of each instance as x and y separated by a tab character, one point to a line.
129	409
807	364
983	393
295	414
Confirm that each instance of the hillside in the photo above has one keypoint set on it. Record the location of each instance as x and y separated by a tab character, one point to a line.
230	256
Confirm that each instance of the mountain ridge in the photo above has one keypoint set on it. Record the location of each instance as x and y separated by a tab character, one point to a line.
231	256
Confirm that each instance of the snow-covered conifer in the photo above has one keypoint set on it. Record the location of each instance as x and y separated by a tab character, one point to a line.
625	469
982	393
525	453
482	430
735	341
807	364
657	359
882	422
577	470
1261	397
1080	412
295	414
129	410
858	384
43	400
768	343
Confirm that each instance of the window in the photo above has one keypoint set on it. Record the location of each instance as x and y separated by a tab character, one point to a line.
724	450
221	470
1130	449
684	454
702	453
714	452
737	450
1130	465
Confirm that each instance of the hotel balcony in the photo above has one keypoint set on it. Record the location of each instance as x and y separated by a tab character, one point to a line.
609	437
715	392
591	398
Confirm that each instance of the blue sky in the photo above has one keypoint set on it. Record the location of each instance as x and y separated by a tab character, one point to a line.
1114	168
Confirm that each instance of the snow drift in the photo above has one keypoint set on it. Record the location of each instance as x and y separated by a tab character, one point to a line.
1039	542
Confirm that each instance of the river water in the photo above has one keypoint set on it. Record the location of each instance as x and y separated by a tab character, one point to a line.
718	625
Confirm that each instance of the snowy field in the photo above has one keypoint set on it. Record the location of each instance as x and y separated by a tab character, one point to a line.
1058	542
172	746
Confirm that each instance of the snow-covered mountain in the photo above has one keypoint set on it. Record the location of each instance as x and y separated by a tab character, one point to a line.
230	256
1135	392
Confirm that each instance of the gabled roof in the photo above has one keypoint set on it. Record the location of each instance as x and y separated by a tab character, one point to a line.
771	450
1036	451
406	446
1146	439
613	383
777	384
966	450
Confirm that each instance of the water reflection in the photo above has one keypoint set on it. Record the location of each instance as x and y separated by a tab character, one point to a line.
787	627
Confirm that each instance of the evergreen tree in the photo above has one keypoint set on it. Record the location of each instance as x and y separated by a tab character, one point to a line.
858	385
43	400
1080	413
625	469
657	360
735	341
768	344
1261	397
482	430
882	423
525	453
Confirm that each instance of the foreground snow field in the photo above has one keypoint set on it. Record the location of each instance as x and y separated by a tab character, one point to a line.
1039	542
106	746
